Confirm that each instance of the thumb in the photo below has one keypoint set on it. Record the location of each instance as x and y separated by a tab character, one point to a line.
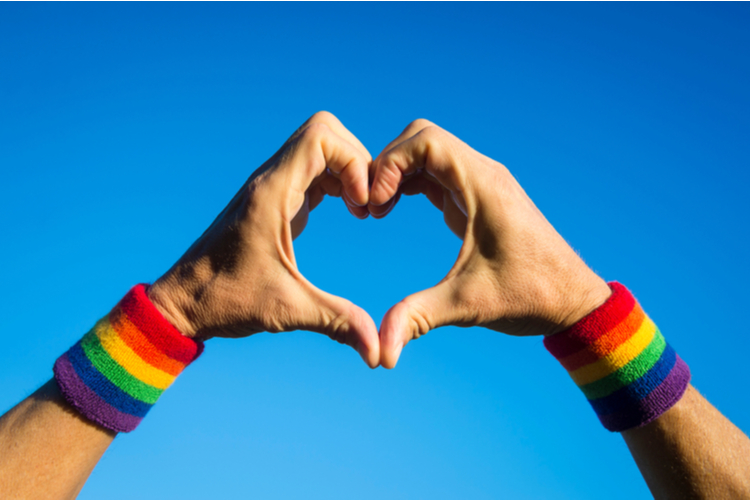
344	322
413	317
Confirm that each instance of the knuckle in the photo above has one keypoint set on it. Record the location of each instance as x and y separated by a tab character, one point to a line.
420	123
432	133
419	327
323	117
315	131
389	174
420	321
337	327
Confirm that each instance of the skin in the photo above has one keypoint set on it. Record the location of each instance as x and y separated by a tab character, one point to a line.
514	274
240	277
692	452
47	450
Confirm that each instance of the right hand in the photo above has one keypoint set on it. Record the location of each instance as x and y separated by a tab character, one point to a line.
514	273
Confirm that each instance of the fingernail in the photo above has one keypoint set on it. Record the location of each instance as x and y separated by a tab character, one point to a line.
349	201
355	213
378	204
359	204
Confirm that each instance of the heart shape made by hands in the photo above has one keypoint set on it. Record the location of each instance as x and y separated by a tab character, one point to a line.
514	272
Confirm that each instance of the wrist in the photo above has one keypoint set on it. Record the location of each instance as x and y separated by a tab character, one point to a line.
589	295
120	368
621	362
171	301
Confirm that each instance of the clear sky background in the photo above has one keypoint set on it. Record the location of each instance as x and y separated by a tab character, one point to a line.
126	128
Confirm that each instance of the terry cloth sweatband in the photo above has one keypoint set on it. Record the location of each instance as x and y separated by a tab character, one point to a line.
117	371
620	360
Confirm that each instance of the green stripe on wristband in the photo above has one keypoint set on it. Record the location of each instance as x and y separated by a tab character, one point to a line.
115	373
628	373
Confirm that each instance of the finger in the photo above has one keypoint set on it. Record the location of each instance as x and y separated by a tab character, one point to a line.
381	211
413	317
329	119
455	218
357	211
342	321
348	163
307	158
421	184
418	184
412	129
331	186
327	185
431	150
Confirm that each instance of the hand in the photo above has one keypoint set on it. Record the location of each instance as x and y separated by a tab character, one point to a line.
240	277
514	273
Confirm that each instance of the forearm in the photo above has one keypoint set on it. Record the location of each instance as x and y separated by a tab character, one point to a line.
47	450
692	451
517	275
108	381
104	384
639	386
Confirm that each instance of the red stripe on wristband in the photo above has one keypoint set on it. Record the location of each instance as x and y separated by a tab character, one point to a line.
117	371
620	360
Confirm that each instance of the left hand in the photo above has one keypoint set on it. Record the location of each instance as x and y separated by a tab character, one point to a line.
240	277
514	273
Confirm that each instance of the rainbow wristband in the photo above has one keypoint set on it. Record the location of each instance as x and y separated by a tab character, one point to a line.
620	360
117	371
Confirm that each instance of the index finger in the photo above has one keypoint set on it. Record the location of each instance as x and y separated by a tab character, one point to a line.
431	149
338	128
411	130
314	150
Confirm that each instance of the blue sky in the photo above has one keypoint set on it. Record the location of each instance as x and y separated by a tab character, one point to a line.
126	128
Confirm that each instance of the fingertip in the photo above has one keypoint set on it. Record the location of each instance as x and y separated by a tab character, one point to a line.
355	178
393	336
360	197
352	203
380	211
372	361
389	359
376	212
359	212
368	341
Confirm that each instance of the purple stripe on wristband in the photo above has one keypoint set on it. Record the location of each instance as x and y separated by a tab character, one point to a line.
621	361
648	409
87	402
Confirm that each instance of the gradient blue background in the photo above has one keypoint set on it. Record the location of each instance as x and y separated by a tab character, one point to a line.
125	128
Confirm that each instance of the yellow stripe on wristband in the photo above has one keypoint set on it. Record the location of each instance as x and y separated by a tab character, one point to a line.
129	360
620	357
